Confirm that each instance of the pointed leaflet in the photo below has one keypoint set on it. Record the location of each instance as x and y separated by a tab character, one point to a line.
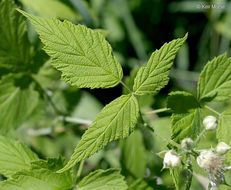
14	157
115	121
41	176
103	179
154	76
215	80
14	46
186	125
82	55
186	119
16	102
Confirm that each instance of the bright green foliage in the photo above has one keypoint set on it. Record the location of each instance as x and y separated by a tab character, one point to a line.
140	184
16	102
115	121
134	154
186	117
186	125
154	76
103	179
223	131
41	176
14	157
181	102
215	80
82	55
14	51
43	8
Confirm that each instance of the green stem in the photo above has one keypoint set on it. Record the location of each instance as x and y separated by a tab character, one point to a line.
212	110
80	170
75	120
199	137
174	179
121	82
48	97
158	111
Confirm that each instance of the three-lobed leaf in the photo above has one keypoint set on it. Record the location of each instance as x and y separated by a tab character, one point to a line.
103	179
14	157
215	80
82	55
154	76
115	121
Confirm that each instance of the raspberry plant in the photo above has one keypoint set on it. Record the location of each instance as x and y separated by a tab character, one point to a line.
85	60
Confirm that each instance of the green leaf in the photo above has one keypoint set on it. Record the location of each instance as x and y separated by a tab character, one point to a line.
223	130
14	46
82	55
103	179
17	101
40	176
115	121
154	76
186	125
43	8
133	154
215	80
181	102
140	184
14	157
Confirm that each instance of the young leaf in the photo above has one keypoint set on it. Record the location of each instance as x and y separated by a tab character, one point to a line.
14	157
133	154
140	184
40	176
115	121
215	80
186	125
82	55
14	46
43	8
16	102
154	76
103	179
181	102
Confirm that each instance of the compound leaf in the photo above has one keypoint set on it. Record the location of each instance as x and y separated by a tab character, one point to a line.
154	76
82	55
215	80
16	102
115	121
103	179
14	46
14	157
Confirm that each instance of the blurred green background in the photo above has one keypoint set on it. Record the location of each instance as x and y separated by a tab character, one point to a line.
134	28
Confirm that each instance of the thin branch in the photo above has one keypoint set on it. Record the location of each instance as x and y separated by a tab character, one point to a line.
212	110
76	120
126	86
158	111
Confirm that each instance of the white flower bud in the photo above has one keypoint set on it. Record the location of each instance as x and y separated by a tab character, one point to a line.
210	123
222	148
171	159
187	143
